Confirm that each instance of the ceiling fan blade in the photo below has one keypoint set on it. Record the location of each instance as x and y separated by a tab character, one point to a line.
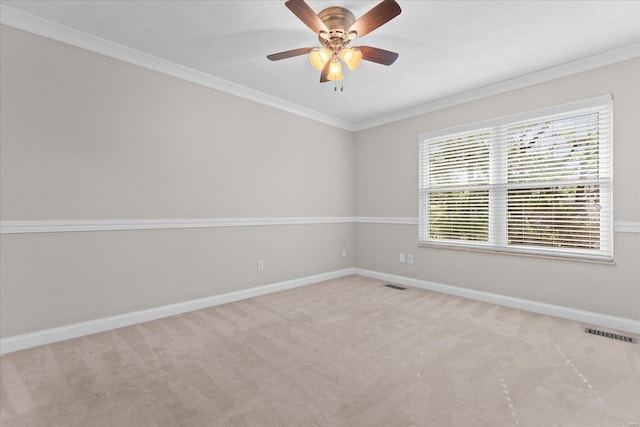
306	15
324	75
379	15
381	56
288	53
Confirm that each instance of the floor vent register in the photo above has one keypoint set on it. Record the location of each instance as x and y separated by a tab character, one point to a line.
610	335
396	287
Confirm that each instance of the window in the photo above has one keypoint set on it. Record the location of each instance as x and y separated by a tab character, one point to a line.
536	183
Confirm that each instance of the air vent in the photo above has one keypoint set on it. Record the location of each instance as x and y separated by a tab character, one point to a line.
610	335
396	287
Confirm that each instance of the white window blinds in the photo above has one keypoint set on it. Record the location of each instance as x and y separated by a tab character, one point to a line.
539	183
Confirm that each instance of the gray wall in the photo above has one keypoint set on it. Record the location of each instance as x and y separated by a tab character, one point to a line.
386	185
84	136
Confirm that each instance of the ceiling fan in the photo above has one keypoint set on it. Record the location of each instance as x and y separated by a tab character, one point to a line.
336	28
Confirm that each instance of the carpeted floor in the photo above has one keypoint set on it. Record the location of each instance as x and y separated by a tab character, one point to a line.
347	352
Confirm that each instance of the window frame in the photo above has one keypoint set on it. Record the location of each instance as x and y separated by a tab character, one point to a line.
499	186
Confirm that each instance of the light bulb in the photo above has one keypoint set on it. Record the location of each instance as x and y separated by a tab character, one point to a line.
335	70
319	57
352	56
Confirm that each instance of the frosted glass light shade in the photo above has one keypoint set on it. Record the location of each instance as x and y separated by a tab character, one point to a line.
319	57
352	56
335	71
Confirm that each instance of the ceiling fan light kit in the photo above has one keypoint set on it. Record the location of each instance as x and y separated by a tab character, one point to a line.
352	56
319	56
336	27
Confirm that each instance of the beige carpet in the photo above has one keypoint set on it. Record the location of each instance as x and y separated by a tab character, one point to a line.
346	352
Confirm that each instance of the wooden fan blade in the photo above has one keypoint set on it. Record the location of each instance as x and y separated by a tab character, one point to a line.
377	55
288	53
379	15
306	15
324	75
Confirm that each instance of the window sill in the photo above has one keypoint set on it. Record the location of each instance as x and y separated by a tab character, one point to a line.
517	254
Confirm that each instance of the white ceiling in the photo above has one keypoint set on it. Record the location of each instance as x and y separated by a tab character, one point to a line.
447	48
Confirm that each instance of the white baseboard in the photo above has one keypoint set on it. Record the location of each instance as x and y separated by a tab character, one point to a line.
63	333
591	318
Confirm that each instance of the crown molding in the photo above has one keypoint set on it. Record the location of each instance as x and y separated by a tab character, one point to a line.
42	27
598	60
55	31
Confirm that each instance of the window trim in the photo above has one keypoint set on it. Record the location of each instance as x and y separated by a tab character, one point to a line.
496	202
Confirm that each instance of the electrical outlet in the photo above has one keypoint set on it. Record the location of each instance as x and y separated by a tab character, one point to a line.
260	265
409	258
401	258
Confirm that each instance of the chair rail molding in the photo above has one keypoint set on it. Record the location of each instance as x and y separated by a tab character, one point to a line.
61	226
57	226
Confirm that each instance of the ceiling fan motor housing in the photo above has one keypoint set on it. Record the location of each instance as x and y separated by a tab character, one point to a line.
338	20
